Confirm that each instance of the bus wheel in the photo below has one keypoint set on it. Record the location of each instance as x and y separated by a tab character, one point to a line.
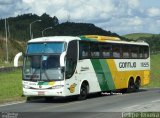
131	86
124	90
83	92
137	84
29	99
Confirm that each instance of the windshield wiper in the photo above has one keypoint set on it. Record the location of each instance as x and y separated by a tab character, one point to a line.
34	75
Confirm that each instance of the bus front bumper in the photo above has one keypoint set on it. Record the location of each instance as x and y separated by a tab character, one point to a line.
51	92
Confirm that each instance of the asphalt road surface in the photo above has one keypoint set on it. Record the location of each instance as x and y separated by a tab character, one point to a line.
105	106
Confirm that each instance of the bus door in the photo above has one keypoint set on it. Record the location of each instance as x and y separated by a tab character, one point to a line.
71	75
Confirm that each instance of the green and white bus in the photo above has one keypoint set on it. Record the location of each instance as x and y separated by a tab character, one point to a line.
67	66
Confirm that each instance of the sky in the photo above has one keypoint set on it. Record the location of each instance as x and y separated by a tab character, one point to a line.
119	16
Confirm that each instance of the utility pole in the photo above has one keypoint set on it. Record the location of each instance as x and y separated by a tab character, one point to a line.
6	41
9	34
30	27
45	30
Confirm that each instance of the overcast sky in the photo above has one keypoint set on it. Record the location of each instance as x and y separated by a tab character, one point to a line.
119	16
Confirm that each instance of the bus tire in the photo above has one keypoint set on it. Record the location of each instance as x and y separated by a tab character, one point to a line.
124	90
131	85
28	99
137	84
83	92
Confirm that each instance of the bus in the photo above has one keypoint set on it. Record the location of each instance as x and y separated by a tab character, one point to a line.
61	66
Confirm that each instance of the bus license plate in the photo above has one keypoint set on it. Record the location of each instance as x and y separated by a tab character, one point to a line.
41	92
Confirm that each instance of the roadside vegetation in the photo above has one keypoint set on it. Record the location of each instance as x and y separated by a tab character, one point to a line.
10	86
136	36
155	71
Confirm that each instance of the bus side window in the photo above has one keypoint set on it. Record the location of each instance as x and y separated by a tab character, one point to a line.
94	50
141	51
83	50
116	51
125	51
134	51
146	52
105	50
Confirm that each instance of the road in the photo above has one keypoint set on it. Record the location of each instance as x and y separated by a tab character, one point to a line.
147	100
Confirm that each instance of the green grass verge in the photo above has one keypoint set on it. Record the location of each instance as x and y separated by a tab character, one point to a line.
11	86
155	71
3	64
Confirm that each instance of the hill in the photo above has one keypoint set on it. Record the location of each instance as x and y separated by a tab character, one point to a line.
14	47
136	36
19	27
152	39
19	31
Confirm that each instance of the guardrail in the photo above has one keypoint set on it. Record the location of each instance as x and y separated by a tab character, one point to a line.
8	69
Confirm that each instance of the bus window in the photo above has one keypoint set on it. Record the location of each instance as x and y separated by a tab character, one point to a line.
94	50
36	61
53	61
134	52
125	51
141	52
105	50
116	51
84	50
146	52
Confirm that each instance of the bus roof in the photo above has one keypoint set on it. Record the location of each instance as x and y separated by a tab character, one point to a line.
54	38
128	42
96	38
110	39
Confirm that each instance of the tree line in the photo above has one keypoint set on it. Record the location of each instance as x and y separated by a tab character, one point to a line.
153	41
19	27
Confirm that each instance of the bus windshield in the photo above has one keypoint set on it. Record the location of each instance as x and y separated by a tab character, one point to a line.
42	61
51	47
42	68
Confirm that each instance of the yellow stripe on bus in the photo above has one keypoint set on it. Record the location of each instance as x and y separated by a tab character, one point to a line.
113	71
121	78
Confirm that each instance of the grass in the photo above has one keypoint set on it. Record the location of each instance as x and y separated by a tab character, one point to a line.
10	64
135	36
11	86
3	64
155	71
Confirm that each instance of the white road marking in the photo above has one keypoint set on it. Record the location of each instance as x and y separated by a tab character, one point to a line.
130	107
13	103
156	101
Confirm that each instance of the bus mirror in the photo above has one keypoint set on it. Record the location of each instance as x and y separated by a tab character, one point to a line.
62	59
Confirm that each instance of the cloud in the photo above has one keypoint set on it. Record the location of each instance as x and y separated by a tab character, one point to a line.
152	12
120	16
10	8
6	2
136	21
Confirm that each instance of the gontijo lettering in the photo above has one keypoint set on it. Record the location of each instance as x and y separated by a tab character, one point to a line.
127	65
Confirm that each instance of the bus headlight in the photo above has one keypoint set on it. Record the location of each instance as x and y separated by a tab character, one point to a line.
57	86
26	87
